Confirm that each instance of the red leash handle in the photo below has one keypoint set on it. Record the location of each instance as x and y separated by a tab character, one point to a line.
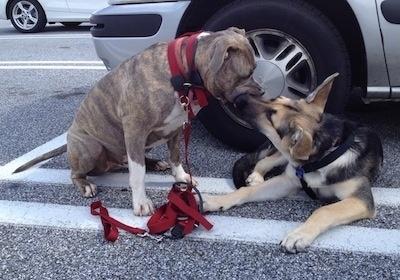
110	224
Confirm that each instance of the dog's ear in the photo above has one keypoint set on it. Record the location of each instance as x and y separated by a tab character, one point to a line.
219	55
237	30
320	95
301	143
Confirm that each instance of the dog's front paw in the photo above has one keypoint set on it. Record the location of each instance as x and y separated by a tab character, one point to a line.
296	241
212	203
254	179
184	177
143	207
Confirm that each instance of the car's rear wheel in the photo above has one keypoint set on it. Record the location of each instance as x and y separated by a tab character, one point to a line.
27	16
296	48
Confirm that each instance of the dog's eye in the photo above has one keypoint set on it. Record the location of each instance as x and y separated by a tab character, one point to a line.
269	114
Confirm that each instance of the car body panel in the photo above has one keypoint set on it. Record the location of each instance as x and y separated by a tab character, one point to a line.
391	45
114	50
63	10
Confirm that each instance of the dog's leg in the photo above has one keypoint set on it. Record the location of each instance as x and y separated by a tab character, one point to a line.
263	167
176	166
272	189
339	213
142	205
84	155
135	147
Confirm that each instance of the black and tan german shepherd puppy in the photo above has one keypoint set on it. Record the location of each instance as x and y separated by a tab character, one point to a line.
333	159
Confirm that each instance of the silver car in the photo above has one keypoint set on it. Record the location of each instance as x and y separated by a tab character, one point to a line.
297	43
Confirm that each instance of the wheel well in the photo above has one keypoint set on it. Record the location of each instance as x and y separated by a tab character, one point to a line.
338	11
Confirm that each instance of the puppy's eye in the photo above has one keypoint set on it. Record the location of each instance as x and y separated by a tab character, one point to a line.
269	114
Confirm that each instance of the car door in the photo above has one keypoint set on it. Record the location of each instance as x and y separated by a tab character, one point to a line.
389	17
86	6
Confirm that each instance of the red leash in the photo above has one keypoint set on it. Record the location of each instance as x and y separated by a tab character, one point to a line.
181	213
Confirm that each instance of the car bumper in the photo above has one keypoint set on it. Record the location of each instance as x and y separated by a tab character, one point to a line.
3	11
121	31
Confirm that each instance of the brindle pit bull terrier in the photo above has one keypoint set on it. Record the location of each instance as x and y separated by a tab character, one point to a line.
135	108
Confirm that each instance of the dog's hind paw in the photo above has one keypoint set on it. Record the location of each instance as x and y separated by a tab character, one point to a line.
157	165
88	190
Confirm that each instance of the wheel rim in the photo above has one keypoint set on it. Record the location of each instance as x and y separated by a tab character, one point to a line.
284	67
25	15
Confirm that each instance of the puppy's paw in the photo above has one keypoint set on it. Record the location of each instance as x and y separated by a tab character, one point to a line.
254	179
212	203
296	241
143	207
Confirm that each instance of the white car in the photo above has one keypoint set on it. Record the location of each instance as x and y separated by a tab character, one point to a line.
297	43
29	16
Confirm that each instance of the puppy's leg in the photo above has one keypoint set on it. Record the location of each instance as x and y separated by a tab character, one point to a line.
263	167
274	188
343	212
176	166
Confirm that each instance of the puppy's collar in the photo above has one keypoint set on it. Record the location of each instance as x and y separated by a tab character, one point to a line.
326	160
189	85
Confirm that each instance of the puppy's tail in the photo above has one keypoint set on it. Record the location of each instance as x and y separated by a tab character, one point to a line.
245	165
51	154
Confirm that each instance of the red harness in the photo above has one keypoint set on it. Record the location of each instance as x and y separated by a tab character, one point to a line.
188	84
181	214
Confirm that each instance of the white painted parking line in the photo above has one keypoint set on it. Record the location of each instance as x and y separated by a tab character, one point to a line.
8	169
383	196
53	65
41	36
347	238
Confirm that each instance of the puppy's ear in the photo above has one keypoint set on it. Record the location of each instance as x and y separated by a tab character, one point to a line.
320	95
301	143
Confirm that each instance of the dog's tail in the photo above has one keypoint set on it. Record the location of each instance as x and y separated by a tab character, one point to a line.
245	165
50	154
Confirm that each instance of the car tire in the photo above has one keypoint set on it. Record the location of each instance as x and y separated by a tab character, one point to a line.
71	24
27	16
268	25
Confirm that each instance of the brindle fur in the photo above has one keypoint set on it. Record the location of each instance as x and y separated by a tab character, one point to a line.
134	108
301	133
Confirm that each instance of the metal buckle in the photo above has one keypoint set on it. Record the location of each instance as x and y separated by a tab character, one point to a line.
157	238
184	100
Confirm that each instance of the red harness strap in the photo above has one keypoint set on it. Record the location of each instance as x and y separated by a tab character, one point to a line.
188	84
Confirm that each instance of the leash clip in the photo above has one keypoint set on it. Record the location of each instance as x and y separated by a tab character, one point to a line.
184	100
158	239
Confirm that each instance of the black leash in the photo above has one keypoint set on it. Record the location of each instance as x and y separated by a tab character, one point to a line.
314	166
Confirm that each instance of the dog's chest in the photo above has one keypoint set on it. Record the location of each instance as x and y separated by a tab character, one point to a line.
171	124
